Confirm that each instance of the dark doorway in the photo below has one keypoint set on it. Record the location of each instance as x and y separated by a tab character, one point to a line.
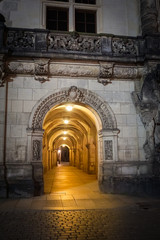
64	154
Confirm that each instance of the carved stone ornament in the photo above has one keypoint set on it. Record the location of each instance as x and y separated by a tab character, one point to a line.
149	16
74	43
108	148
20	67
36	150
20	40
42	70
74	95
105	74
104	81
124	46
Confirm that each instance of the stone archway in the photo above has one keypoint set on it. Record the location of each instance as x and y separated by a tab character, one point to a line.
107	135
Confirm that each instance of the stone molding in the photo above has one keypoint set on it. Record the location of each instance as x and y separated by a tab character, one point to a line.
43	69
76	95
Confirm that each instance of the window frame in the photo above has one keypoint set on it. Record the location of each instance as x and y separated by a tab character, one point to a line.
58	8
72	6
85	22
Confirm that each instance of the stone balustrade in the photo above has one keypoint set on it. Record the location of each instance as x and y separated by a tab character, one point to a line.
29	42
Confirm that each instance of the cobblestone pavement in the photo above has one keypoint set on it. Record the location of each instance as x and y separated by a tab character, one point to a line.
127	223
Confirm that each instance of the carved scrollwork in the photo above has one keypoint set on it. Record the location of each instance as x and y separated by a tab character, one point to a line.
20	40
74	95
122	46
74	43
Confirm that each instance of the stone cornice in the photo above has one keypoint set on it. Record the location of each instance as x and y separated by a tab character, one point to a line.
43	69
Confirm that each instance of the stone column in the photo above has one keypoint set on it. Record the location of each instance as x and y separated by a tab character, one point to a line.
108	155
35	158
149	16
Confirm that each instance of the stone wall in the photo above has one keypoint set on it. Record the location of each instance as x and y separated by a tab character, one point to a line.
119	17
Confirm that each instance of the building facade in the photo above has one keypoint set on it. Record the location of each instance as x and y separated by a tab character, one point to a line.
80	78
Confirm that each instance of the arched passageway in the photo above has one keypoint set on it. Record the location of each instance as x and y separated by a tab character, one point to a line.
80	120
70	135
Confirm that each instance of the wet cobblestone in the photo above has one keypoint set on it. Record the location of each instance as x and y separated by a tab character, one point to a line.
131	223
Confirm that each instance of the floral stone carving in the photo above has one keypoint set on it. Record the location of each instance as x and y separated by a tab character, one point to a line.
20	40
74	43
122	46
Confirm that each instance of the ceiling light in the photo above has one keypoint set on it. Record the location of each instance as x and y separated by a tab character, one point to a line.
64	138
64	132
69	108
66	121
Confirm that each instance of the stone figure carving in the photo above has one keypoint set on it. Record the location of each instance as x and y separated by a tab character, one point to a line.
74	43
42	70
36	150
149	16
105	74
148	106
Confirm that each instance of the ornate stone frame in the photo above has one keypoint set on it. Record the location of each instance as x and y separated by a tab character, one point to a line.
107	135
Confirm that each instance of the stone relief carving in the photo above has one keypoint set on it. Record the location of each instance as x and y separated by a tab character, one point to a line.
105	74
125	72
42	70
74	95
108	148
149	16
20	67
36	150
124	46
147	103
20	40
74	70
74	43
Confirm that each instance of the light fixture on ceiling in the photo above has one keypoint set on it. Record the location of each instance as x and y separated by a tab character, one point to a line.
66	121
65	132
64	138
69	108
63	145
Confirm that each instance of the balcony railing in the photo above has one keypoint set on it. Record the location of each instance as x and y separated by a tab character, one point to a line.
36	41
